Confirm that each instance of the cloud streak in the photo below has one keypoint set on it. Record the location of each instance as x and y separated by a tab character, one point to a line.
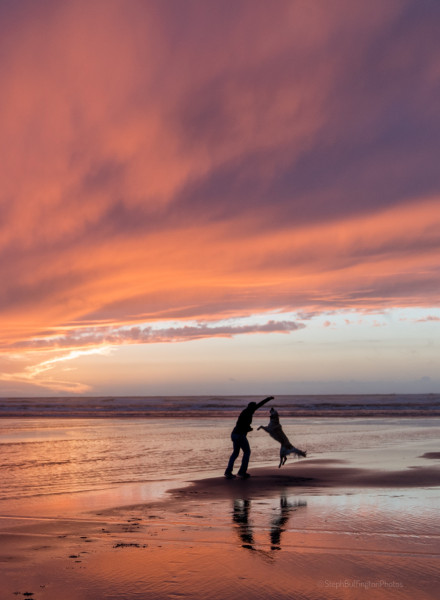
102	341
108	336
37	374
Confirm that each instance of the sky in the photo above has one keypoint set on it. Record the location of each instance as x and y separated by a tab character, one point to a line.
219	197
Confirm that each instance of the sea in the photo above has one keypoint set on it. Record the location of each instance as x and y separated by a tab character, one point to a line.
55	446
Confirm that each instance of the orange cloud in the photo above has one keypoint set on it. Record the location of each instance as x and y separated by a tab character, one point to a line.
382	260
156	167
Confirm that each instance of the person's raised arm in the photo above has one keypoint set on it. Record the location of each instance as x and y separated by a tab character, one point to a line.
260	404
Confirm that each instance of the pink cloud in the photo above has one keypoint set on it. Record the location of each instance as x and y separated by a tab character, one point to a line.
428	319
156	165
109	336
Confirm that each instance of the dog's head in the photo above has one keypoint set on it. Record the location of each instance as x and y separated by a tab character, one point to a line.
274	415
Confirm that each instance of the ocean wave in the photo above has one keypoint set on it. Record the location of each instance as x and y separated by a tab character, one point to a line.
415	405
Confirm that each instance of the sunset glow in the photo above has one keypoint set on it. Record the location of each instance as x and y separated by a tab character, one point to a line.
219	197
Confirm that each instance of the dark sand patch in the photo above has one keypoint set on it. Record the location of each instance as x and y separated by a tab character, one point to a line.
309	474
432	455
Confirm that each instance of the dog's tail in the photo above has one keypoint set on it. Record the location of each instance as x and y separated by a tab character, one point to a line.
292	450
297	452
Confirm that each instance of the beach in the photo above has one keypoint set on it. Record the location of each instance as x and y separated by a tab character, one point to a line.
350	521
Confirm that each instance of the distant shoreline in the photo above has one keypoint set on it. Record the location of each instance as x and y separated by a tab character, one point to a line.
407	415
194	407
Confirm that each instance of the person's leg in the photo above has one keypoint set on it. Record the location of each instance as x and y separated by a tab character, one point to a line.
236	451
244	445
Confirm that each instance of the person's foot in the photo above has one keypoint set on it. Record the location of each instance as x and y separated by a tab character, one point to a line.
230	476
244	475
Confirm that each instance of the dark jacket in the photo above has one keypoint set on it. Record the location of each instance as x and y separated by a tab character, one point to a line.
243	425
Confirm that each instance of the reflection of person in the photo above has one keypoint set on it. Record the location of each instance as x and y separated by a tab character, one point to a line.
240	516
240	441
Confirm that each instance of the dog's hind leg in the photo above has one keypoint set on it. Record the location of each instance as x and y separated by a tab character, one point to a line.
283	457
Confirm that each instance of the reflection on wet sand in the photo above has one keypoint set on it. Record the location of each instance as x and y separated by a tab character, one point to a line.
241	518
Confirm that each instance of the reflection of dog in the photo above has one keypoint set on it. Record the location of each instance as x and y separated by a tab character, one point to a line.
275	430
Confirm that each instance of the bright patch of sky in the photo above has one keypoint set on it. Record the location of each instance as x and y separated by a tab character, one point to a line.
394	351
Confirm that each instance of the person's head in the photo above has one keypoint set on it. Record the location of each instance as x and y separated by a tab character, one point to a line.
252	405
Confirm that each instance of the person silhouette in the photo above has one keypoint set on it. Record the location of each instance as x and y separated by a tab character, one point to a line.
240	441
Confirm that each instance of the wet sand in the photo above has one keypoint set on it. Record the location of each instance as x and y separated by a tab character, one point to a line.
314	529
316	473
